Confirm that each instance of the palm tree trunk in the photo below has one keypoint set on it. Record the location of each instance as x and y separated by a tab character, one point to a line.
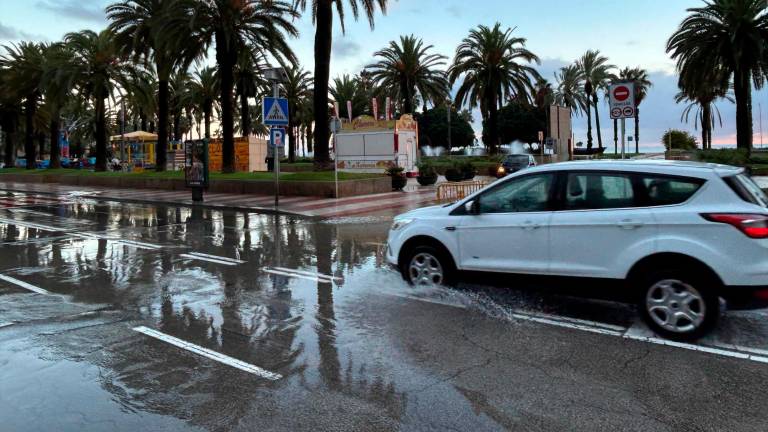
706	124
245	115
309	139
323	42
637	130
55	131
101	135
143	118
10	126
30	107
207	115
743	93
493	128
41	143
225	58
177	126
615	136
589	125
597	124
291	143
161	149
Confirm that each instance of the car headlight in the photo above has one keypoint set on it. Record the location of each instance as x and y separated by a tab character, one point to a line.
399	223
501	170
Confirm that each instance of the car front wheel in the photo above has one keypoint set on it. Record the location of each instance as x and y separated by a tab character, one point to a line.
679	305
427	266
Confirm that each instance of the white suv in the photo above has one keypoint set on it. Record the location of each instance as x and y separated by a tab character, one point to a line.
682	234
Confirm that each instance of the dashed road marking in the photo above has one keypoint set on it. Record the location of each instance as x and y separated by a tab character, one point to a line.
298	274
210	354
24	285
133	243
210	260
218	258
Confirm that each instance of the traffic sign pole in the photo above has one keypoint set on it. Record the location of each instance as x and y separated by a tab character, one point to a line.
623	137
276	94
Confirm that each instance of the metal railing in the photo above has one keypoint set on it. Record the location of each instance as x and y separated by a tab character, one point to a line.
450	191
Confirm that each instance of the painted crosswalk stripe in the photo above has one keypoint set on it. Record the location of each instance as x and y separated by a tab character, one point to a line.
133	243
281	271
211	260
306	273
24	285
210	354
220	258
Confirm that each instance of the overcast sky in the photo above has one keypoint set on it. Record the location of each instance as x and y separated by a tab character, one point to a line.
629	33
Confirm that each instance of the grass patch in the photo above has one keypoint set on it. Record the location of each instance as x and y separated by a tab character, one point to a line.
318	176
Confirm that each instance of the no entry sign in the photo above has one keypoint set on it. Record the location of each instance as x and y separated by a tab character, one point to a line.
622	100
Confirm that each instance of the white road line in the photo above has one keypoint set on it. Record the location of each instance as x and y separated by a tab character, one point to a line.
52	216
31	225
211	260
296	275
24	285
425	300
5	324
576	321
306	273
220	258
205	352
133	243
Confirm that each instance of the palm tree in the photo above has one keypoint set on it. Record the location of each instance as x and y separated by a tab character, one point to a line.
24	65
140	89
179	105
495	66
348	88
408	67
203	92
142	30
98	71
232	25
296	88
543	94
596	73
569	90
322	16
57	82
729	36
639	77
702	99
248	82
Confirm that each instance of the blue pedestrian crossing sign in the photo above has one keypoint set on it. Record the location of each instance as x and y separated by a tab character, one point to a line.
274	111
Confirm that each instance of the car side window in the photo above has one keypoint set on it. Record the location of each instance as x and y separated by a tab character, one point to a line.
595	191
525	194
669	190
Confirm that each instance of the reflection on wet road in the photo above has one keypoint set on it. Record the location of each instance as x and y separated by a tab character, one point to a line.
130	317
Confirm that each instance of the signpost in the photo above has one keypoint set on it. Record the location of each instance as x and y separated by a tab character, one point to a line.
275	113
622	106
335	127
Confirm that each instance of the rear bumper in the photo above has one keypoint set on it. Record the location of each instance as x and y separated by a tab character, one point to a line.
746	297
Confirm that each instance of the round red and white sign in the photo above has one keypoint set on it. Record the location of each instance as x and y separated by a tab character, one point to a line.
629	112
616	113
621	93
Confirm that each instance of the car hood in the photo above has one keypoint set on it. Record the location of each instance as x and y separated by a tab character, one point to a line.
424	211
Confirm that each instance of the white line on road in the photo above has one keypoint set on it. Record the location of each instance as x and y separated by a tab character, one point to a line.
312	277
133	243
220	258
24	285
31	225
213	355
5	324
306	273
211	260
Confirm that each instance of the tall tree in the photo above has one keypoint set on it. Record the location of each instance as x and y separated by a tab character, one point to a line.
724	41
596	73
232	25
98	72
347	88
203	92
57	83
24	63
322	16
495	66
702	99
569	92
296	89
142	30
407	68
10	111
248	81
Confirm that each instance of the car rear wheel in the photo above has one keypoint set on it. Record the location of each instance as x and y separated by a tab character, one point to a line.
679	305
427	266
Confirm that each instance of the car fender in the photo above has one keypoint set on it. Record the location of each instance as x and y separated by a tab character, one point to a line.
438	230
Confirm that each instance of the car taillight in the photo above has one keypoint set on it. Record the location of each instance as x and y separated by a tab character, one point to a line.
753	225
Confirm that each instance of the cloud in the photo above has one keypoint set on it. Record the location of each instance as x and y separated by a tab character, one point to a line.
13	34
75	9
344	48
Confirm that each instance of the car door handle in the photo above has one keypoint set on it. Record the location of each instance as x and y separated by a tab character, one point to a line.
530	225
630	224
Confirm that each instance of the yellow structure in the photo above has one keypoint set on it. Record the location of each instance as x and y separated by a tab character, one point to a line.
139	148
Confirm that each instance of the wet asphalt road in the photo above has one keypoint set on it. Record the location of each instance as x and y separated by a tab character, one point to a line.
352	347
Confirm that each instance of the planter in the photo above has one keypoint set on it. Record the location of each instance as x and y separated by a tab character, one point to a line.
454	175
427	180
469	175
399	182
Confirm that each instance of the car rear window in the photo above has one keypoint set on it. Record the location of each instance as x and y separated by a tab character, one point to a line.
663	190
517	160
747	189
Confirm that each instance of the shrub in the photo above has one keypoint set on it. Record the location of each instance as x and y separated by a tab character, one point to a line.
675	139
426	168
724	156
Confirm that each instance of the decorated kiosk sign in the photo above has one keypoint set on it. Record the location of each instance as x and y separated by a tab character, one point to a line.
196	174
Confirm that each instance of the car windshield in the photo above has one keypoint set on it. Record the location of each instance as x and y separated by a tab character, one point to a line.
517	160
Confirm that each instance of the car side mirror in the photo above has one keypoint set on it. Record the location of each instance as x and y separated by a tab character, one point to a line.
471	207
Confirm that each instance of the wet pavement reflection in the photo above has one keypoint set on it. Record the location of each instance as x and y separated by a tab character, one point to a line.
310	300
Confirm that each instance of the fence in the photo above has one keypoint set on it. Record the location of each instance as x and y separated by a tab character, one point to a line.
450	191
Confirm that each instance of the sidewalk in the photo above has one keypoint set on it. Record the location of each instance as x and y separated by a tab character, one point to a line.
387	204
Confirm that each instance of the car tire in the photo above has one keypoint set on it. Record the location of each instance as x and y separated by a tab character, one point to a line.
428	266
679	304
